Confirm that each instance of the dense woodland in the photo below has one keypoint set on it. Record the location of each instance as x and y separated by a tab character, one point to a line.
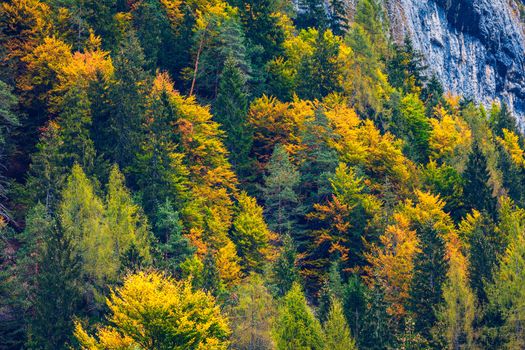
256	174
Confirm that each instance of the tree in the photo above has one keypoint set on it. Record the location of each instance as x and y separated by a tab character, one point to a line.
414	127
230	109
174	247
311	14
152	311
121	139
484	243
320	72
477	189
57	293
337	334
129	227
456	316
296	326
405	69
284	269
430	271
279	194
252	316
250	233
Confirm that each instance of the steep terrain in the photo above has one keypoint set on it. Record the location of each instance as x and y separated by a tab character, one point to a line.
476	47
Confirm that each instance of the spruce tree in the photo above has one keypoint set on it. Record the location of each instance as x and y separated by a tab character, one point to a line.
338	18
121	139
476	189
311	14
284	269
174	248
430	272
336	331
279	193
502	118
296	326
230	109
57	294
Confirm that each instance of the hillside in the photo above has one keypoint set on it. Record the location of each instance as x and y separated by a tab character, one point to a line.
262	174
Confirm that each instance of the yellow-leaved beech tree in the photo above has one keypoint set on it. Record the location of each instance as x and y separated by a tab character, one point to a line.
153	311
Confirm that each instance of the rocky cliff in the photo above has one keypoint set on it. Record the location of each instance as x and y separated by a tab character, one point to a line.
476	47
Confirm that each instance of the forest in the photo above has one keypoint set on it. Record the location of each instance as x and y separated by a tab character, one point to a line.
248	174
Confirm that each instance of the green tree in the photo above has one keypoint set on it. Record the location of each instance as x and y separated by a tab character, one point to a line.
414	127
284	269
230	109
296	326
311	14
337	334
430	273
252	316
57	293
121	138
279	194
477	189
319	73
406	69
250	233
174	247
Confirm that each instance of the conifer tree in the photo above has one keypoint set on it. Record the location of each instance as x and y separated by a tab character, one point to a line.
319	73
174	247
253	315
57	293
477	190
338	17
337	334
230	109
430	272
296	326
284	269
250	233
502	118
121	139
279	194
311	14
405	69
75	122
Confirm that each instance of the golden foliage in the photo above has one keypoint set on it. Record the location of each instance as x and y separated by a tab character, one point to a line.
154	311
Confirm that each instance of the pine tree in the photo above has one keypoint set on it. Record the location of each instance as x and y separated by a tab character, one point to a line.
75	122
250	234
284	269
311	14
230	109
174	247
502	118
121	139
338	18
319	74
477	190
485	244
296	326
430	272
159	169
47	172
336	331
57	294
252	315
406	69
279	194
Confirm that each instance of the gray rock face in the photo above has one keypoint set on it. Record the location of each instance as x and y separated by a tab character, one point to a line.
476	47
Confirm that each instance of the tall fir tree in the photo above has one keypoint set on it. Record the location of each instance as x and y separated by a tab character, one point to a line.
430	272
121	139
336	331
296	326
278	192
230	110
477	189
311	14
57	294
284	269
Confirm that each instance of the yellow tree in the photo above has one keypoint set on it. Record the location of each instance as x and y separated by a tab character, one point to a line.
152	311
